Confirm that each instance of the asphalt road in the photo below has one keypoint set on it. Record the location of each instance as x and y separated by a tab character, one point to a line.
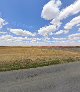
58	78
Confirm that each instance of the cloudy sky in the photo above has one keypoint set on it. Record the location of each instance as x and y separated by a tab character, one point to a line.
39	22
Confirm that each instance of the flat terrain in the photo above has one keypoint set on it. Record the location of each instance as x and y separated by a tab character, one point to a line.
13	58
59	78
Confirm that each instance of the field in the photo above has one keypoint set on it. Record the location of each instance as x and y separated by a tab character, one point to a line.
13	58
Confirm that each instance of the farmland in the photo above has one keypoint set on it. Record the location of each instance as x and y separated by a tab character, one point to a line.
14	58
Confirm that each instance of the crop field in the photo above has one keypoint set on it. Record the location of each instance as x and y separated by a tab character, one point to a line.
14	58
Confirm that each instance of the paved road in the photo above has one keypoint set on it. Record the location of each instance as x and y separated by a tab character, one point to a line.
59	78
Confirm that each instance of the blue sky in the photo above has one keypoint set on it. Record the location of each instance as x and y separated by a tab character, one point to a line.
23	13
29	22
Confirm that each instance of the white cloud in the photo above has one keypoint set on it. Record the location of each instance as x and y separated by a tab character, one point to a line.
2	22
67	43
48	13
59	32
18	39
59	39
75	36
75	21
9	40
72	23
51	9
21	32
79	29
2	32
68	11
45	31
78	25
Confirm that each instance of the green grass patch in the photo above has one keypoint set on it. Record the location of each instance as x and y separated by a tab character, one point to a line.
28	63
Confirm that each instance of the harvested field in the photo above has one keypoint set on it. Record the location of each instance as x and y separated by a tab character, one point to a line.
12	58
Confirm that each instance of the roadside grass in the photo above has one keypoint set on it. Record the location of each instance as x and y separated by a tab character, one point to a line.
28	63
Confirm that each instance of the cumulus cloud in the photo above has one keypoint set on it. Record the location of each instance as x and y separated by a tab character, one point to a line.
79	29
72	23
45	31
51	9
21	32
70	10
10	40
52	12
67	43
6	37
14	38
59	32
75	36
2	22
59	39
78	25
2	32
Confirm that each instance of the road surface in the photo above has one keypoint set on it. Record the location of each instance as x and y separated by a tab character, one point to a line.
58	78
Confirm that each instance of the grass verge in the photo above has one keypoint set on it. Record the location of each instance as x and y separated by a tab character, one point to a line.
28	63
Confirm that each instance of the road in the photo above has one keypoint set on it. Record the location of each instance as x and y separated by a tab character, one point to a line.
58	78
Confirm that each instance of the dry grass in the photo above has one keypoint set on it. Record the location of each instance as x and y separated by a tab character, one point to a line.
27	57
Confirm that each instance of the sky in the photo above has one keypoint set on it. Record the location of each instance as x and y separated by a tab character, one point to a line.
39	22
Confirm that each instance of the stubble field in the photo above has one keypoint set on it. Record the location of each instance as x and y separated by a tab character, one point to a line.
14	58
